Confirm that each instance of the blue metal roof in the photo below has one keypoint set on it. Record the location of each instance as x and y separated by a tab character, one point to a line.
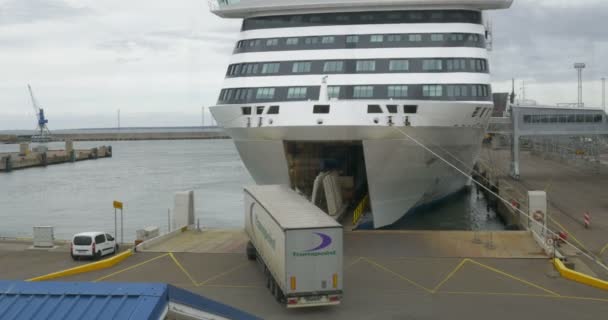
85	300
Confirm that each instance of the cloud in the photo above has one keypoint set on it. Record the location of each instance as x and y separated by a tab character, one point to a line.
540	41
30	11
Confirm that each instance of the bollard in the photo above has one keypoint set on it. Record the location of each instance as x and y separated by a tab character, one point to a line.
587	220
109	152
72	156
43	159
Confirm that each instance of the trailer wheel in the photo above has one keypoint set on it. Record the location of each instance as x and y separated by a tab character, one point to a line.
251	252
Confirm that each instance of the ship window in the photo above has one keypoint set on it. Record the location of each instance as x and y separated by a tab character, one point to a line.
432	65
366	17
333	66
457	91
527	118
301	67
408	108
366	65
292	41
265	93
273	110
333	92
272	42
374	108
397	91
342	18
246	111
415	37
259	110
437	37
416	16
311	40
598	118
588	118
432	90
580	118
392	108
352	39
297	93
270	68
393	38
456	64
394	16
399	65
363	91
456	37
320	108
328	39
377	38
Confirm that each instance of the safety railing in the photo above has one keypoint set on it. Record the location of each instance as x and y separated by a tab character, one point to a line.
360	209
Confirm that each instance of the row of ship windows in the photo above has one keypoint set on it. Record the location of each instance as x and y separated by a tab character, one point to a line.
355	18
372	108
427	91
564	118
362	41
358	66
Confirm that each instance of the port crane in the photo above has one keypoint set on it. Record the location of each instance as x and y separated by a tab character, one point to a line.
42	133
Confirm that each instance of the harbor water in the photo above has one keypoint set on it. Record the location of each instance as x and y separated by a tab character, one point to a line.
144	175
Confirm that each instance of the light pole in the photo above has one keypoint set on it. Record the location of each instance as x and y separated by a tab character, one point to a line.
579	68
604	93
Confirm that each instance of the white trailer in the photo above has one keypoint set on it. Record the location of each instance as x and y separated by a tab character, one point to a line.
298	245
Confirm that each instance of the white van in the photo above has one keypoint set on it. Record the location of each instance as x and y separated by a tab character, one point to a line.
92	244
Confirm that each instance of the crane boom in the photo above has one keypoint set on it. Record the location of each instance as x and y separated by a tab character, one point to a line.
34	102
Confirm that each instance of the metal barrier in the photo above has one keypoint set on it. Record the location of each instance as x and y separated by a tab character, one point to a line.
358	213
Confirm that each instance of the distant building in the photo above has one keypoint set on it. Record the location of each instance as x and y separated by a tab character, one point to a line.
501	99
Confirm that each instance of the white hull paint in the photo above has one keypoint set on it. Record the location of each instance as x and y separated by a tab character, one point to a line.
400	174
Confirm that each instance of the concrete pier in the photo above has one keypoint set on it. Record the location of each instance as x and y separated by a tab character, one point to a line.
27	158
387	275
573	188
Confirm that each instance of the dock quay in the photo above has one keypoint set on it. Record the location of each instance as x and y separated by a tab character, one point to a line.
40	156
387	275
574	187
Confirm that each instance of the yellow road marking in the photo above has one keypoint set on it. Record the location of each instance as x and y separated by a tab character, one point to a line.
353	263
378	265
130	268
523	295
232	286
179	265
451	274
513	277
570	234
604	249
221	274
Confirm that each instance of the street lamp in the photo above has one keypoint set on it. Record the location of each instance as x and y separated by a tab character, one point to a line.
579	68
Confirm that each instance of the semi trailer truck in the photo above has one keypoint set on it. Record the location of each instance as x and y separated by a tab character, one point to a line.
298	246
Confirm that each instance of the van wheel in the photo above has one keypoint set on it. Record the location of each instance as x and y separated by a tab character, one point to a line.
97	255
251	252
116	249
75	258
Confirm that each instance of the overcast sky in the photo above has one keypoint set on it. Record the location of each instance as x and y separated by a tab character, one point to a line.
160	61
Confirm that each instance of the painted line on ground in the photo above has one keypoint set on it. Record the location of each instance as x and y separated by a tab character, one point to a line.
400	276
130	268
604	249
579	277
221	274
450	275
181	267
353	263
508	275
506	294
94	266
570	234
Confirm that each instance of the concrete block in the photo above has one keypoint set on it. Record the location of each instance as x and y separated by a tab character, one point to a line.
183	209
24	149
69	146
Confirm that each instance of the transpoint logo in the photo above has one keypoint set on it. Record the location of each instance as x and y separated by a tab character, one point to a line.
316	251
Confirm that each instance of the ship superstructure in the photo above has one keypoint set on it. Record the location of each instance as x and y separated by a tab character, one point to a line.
338	86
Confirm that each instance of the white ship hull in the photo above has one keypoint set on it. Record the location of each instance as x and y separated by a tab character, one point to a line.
347	86
400	174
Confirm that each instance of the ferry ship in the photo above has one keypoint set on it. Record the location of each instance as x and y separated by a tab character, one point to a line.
357	88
